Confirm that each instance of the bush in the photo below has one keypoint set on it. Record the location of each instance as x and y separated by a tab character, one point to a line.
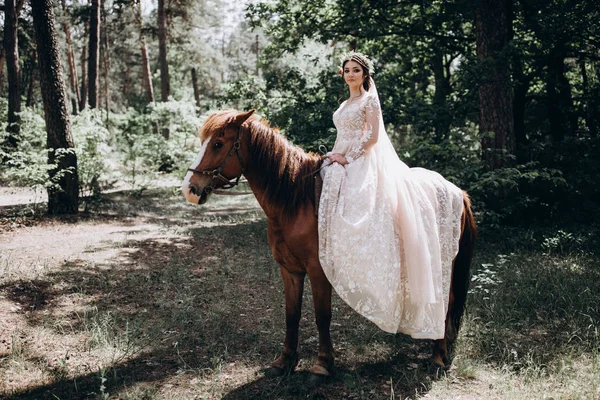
27	165
144	151
521	195
97	172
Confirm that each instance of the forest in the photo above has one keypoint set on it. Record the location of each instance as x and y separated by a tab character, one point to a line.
506	108
101	103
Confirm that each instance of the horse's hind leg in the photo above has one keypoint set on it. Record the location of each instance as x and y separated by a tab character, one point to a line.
293	287
459	287
440	357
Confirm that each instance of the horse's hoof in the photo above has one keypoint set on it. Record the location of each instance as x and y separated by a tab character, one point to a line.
315	380
274	372
438	363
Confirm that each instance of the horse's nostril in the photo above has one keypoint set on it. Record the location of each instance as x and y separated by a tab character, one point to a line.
194	190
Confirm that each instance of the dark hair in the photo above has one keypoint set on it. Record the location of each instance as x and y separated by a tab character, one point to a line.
366	75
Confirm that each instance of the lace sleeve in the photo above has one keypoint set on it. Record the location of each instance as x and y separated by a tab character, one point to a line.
370	130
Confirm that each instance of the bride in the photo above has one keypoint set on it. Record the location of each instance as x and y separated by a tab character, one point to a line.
387	233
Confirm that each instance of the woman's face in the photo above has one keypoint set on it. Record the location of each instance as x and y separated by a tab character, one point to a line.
353	73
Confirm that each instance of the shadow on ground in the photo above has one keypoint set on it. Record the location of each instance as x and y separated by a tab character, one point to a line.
203	309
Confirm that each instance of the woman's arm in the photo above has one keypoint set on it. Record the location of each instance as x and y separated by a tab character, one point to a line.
370	130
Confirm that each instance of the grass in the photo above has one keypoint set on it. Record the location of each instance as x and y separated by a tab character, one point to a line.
172	301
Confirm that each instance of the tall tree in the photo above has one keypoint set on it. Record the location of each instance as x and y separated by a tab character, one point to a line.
64	193
83	99
18	8
11	48
31	67
496	120
147	75
94	53
76	98
195	85
165	86
106	61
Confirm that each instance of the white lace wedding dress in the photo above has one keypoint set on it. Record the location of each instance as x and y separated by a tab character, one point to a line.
387	233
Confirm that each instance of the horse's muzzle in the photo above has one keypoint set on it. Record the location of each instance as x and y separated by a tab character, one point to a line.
203	197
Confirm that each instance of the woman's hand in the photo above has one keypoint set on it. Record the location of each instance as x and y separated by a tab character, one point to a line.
338	158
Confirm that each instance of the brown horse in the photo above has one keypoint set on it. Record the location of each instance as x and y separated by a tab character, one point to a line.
280	176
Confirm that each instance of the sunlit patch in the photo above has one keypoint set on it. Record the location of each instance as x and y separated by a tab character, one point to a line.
185	185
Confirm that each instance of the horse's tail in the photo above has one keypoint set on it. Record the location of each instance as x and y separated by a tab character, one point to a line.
460	274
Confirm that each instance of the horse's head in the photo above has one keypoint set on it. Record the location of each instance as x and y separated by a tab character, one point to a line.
220	159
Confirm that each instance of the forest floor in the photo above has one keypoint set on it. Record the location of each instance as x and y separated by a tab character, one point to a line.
147	297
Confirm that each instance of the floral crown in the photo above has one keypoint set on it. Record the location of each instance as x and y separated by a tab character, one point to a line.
361	59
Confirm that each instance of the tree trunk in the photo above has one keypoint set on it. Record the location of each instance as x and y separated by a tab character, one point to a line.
147	75
522	83
590	122
560	100
2	60
29	101
75	97
84	78
495	91
442	120
196	90
93	56
165	87
62	197
12	68
106	65
18	8
127	78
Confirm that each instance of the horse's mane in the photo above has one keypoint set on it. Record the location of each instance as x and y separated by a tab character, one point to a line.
287	171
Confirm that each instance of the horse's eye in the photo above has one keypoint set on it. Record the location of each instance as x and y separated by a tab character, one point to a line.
218	145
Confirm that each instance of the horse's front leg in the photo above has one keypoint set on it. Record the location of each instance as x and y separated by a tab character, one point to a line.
293	284
321	290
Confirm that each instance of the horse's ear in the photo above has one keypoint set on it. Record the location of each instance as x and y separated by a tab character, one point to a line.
239	119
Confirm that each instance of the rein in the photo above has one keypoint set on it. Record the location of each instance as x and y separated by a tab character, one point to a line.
218	175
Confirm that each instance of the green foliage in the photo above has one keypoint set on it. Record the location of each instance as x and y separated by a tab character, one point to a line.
428	74
96	169
28	164
144	151
456	157
136	144
522	194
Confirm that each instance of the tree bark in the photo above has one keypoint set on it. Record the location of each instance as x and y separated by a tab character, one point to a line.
106	65
590	122
147	75
165	87
560	100
2	60
93	56
495	90
75	97
127	79
29	101
18	8
11	48
83	99
441	124
62	197
196	90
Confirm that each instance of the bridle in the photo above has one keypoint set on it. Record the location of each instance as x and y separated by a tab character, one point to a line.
217	172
